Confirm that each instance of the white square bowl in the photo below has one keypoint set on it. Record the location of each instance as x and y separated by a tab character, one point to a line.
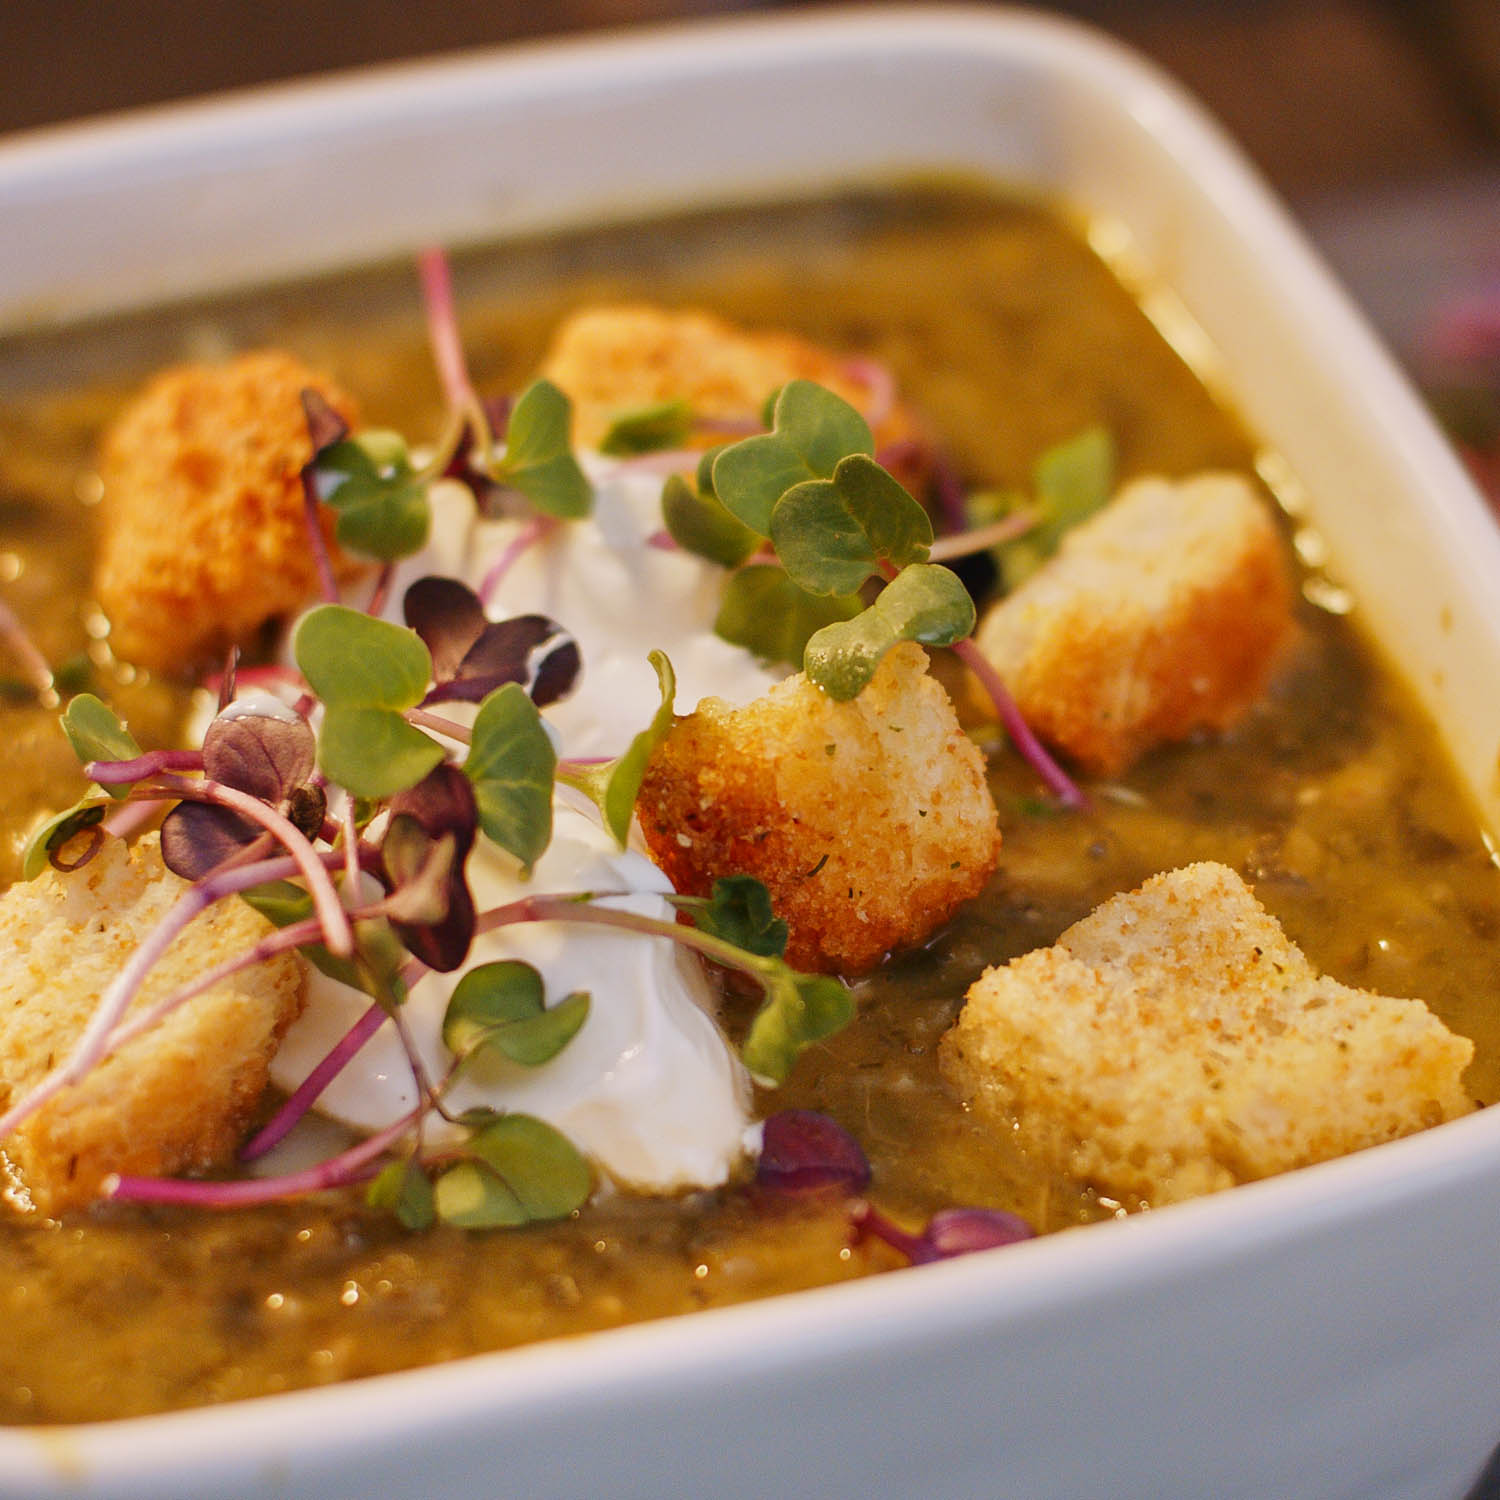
1327	1334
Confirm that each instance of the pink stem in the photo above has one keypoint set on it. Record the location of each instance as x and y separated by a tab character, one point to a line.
153	763
316	541
306	1093
281	941
14	634
535	530
337	933
1035	754
353	1165
442	328
452	730
996	534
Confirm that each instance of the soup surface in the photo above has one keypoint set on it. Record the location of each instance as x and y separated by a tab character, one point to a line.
1334	799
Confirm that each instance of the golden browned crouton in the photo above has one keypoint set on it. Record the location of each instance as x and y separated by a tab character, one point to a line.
1174	1042
611	358
1160	616
870	821
202	536
177	1098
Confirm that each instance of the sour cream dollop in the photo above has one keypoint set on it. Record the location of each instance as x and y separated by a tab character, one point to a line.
648	1088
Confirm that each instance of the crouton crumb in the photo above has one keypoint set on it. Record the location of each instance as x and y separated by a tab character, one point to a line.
176	1099
863	850
1175	1042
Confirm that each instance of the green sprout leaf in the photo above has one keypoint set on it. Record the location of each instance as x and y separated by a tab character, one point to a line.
519	1170
95	733
800	1009
739	911
812	430
832	534
374	752
614	787
352	658
511	763
380	502
87	812
648	428
765	612
924	602
404	1189
502	1006
700	524
1071	481
539	457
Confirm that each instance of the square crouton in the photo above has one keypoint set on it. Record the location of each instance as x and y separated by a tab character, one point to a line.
1160	616
1174	1042
870	821
177	1098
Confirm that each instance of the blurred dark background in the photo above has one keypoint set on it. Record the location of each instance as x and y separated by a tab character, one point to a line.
1378	120
1325	94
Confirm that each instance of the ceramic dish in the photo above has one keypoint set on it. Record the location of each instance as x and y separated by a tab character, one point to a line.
1326	1334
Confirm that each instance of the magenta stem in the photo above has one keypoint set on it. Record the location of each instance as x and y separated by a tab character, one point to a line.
327	583
337	933
306	1093
442	328
15	635
353	1165
535	530
1031	748
153	763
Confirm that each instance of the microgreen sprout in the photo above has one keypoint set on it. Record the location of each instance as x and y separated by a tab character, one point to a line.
249	816
348	807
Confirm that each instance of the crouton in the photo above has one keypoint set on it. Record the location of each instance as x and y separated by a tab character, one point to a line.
611	358
1160	616
203	536
869	822
177	1098
1174	1042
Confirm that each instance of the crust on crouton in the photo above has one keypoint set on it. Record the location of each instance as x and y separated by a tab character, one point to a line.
611	358
870	822
202	535
175	1099
1175	1042
1162	615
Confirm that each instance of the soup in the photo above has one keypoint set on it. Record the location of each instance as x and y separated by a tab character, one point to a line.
1002	326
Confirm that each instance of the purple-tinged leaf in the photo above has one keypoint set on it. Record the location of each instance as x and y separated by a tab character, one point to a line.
449	618
422	869
438	809
266	755
472	655
530	650
197	838
958	1231
803	1151
951	1232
